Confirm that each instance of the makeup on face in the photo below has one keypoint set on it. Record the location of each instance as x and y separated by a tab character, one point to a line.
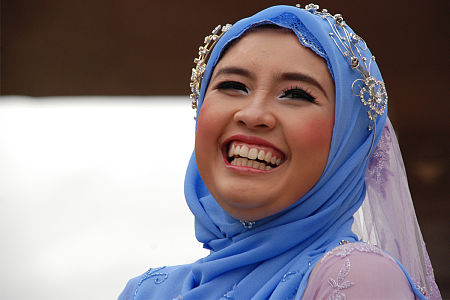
264	129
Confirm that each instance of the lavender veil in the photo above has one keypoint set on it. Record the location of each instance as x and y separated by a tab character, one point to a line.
387	218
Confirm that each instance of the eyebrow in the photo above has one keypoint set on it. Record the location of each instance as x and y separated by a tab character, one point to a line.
292	76
233	71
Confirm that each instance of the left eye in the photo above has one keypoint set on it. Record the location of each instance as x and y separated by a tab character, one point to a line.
232	85
297	93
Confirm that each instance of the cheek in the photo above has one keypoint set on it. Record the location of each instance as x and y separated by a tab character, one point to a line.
207	124
322	132
315	134
213	117
209	129
203	134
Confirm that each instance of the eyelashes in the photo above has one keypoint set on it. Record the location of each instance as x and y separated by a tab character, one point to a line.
232	85
292	93
297	93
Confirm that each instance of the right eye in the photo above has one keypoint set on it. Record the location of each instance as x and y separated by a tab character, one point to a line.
232	85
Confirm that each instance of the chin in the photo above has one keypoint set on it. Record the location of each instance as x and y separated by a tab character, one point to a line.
249	208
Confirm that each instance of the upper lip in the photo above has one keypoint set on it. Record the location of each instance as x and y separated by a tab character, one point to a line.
252	140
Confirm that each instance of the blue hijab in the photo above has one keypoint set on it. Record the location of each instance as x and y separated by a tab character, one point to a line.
275	257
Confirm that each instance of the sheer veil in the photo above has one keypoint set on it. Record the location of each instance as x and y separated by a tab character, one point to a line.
387	217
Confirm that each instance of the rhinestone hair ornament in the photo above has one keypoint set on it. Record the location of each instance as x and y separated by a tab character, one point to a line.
202	59
372	92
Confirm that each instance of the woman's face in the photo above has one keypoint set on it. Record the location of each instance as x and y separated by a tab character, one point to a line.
264	129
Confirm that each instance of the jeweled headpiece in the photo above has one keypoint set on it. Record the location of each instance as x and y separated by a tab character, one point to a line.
371	91
202	59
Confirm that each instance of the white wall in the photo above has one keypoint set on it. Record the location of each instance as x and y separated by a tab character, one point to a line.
91	193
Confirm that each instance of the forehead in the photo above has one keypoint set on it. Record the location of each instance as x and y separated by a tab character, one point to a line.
275	48
274	51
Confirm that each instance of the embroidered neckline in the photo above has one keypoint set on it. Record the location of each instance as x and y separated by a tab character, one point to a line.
346	249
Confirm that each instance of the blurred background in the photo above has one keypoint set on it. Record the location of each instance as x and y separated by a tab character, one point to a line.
89	89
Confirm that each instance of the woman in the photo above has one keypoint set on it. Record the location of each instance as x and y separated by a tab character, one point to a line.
291	129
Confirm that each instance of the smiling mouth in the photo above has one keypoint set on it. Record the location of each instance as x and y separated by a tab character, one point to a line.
253	156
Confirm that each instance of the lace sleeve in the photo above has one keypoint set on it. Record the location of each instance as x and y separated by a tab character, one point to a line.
358	271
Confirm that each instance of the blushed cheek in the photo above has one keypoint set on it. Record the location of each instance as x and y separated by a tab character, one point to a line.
201	136
205	125
316	135
206	136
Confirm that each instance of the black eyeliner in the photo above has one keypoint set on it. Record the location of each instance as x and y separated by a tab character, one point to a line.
297	93
232	85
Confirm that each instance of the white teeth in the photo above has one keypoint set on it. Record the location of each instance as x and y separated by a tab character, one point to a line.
231	151
268	156
237	150
244	162
273	160
244	151
249	163
261	155
253	153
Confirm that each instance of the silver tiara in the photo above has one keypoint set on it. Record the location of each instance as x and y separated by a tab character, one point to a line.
371	91
202	59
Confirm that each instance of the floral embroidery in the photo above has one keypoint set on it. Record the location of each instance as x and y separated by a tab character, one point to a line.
378	171
346	249
339	284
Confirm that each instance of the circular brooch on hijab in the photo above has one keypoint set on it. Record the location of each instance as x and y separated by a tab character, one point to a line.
371	91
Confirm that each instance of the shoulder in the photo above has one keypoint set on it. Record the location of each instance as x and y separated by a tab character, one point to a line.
358	271
156	283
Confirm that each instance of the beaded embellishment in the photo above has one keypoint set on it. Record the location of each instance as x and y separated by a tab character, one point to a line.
247	224
340	283
372	92
202	59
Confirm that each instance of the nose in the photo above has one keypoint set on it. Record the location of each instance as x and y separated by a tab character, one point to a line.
256	114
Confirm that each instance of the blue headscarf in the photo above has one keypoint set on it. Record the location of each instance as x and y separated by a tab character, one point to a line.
275	257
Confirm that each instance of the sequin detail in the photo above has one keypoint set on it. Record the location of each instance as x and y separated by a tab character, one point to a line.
302	32
287	276
229	295
340	284
247	224
343	251
151	273
346	249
